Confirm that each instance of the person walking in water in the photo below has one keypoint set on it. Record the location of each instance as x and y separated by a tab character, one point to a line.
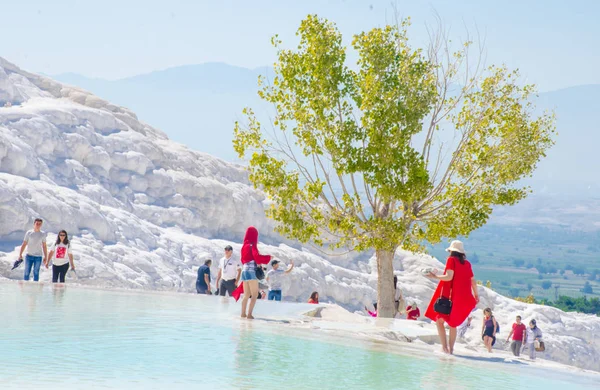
61	256
533	337
251	258
489	329
518	336
314	298
455	296
203	281
274	279
229	273
37	251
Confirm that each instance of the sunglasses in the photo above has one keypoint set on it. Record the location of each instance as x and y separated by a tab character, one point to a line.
62	235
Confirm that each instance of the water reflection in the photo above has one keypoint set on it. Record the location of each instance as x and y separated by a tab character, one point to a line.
58	293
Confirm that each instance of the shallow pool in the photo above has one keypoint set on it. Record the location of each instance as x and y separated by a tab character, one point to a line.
62	338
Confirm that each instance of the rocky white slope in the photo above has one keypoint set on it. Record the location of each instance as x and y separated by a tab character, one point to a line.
145	212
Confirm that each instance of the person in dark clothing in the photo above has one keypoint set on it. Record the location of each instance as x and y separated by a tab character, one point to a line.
203	281
489	329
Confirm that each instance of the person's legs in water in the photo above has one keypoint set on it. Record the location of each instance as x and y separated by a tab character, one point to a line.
253	290
28	266
245	299
274	295
452	339
62	272
442	333
37	263
228	286
54	274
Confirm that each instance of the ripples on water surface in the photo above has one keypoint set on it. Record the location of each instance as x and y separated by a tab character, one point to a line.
65	337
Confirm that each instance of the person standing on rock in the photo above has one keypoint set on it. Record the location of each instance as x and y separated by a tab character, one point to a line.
517	332
533	338
61	256
229	273
274	279
398	298
412	312
37	251
203	281
489	328
455	296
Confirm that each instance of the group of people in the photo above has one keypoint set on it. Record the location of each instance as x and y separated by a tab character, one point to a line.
456	297
36	253
453	300
249	269
412	311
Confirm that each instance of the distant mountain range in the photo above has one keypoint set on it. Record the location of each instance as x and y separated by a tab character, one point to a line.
198	104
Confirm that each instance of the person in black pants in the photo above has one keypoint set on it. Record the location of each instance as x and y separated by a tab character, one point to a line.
61	256
230	270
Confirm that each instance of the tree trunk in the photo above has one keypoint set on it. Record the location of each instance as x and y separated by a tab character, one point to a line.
385	284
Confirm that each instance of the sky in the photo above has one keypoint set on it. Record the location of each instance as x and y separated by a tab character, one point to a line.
552	42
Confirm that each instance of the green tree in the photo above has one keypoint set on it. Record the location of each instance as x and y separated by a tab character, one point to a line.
546	284
587	288
518	262
579	271
355	163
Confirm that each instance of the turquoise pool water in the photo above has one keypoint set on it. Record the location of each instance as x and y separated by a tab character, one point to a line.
63	338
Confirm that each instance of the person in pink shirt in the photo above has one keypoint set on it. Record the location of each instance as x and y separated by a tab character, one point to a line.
518	336
413	312
372	313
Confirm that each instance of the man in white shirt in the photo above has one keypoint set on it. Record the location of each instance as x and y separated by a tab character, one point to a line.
35	242
229	273
274	279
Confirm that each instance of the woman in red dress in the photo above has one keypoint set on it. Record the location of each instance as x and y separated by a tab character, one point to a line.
457	284
251	259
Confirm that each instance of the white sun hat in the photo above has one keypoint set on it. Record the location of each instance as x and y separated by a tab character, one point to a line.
456	246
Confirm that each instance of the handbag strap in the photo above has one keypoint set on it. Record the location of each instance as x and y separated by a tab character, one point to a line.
451	282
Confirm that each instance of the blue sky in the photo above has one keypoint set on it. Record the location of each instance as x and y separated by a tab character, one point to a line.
554	43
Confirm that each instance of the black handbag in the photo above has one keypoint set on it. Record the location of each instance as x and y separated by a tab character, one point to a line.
443	305
260	272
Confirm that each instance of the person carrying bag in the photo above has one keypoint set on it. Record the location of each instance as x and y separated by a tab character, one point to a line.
455	296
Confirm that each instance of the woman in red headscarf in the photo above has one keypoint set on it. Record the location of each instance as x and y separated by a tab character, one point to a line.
251	258
458	285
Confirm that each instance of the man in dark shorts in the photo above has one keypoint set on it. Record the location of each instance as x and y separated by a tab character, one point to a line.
230	270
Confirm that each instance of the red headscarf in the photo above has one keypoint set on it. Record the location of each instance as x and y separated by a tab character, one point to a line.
250	250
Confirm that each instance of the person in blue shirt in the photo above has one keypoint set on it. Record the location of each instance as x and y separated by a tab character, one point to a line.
274	279
203	281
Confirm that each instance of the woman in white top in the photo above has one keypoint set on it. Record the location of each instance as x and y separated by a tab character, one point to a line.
61	256
398	298
533	335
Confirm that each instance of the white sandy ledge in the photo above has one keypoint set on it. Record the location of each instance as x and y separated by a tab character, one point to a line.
416	337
